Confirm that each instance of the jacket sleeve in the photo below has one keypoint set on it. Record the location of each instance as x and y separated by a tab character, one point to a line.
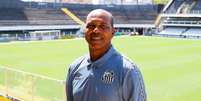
133	86
69	89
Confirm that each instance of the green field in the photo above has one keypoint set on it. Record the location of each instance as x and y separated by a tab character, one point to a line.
171	67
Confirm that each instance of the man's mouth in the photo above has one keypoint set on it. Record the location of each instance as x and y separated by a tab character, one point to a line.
96	38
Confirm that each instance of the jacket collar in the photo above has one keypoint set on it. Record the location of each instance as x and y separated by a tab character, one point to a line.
102	60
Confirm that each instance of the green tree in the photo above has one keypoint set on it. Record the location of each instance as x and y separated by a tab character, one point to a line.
161	1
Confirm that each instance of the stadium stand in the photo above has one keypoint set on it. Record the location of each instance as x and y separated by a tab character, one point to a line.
11	4
175	31
173	6
193	32
33	16
123	14
197	5
48	16
12	16
181	18
39	15
24	17
73	16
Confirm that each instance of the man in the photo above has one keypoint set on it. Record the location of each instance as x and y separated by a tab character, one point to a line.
103	74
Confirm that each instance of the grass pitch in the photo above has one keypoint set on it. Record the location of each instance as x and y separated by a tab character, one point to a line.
171	67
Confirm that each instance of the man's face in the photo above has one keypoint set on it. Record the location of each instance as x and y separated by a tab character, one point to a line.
99	31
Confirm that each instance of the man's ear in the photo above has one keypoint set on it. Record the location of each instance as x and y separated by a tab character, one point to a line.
113	31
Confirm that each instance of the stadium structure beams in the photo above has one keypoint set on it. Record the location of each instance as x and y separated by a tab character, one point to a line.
182	25
168	5
181	15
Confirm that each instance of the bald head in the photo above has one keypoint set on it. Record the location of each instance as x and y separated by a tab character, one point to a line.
101	13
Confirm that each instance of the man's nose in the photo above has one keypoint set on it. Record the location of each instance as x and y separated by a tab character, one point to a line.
96	30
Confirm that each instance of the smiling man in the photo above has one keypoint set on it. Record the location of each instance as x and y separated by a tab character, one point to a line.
103	74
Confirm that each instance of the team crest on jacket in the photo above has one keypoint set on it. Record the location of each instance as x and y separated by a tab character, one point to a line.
108	77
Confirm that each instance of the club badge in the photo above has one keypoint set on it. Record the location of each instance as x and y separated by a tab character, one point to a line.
108	77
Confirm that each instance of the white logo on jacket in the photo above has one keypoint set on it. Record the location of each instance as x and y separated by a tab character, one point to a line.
108	77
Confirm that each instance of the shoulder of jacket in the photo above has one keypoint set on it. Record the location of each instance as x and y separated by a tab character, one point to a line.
76	63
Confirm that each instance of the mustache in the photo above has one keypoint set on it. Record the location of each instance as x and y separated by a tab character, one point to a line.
95	33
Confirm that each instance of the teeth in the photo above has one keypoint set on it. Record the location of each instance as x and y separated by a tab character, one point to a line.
96	38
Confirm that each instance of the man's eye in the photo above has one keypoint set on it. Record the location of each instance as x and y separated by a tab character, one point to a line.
103	26
91	26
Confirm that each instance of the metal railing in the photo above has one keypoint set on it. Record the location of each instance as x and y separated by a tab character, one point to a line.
36	22
187	12
30	87
183	22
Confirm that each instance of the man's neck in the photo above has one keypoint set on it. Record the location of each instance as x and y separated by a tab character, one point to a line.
98	53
